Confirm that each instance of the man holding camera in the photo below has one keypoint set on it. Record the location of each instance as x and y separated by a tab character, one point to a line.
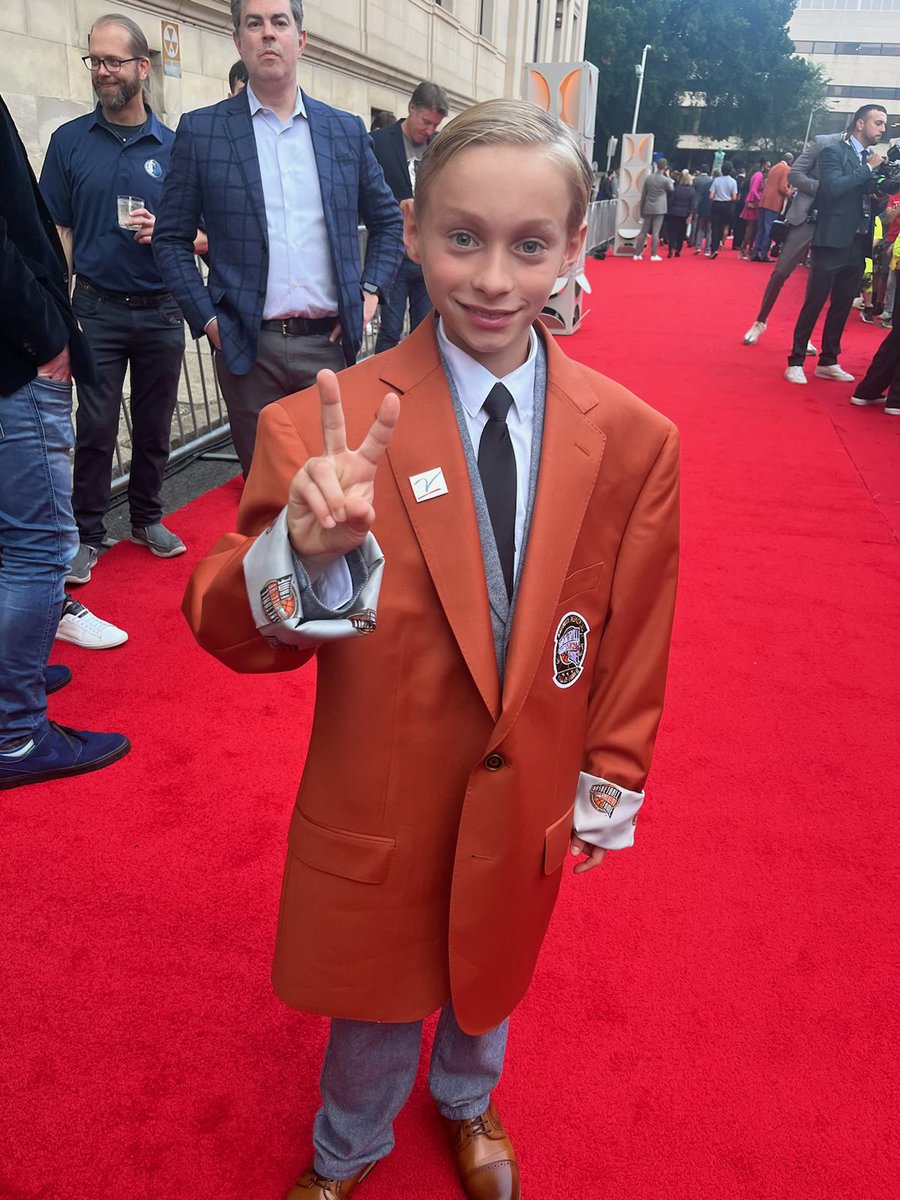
842	240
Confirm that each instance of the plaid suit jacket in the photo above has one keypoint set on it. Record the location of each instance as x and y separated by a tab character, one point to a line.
214	182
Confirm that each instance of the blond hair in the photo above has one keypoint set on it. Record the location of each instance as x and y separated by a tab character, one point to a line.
510	123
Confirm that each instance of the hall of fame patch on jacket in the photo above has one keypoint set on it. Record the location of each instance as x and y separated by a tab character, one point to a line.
569	649
279	599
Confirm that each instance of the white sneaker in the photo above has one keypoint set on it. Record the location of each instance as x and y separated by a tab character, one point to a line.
754	333
810	349
638	257
795	375
79	626
859	302
836	372
862	400
656	258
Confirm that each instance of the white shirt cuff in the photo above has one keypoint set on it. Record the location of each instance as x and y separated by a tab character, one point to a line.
605	813
286	608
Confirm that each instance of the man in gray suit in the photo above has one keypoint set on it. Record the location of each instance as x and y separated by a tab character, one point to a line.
654	201
804	177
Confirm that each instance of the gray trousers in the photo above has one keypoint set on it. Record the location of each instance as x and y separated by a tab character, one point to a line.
369	1071
283	365
652	225
793	252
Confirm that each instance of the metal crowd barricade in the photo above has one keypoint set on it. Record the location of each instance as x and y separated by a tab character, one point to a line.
601	230
200	420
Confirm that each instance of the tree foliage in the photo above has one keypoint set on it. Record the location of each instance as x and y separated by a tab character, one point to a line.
738	57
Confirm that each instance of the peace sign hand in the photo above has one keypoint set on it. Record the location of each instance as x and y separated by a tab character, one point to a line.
330	501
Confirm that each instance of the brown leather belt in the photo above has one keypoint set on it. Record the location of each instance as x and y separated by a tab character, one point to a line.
300	326
131	299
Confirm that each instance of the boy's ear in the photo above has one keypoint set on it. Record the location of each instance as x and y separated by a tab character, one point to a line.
410	229
573	248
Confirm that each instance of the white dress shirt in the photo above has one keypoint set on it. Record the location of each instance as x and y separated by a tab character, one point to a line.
301	280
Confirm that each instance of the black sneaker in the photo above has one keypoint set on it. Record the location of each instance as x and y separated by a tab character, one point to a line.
59	752
159	540
56	677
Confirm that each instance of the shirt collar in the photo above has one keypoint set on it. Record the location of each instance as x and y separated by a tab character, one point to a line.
256	104
154	128
857	146
473	381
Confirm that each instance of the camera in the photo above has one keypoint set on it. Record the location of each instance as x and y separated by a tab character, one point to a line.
887	176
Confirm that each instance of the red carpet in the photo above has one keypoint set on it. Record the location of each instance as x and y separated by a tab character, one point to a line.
715	1014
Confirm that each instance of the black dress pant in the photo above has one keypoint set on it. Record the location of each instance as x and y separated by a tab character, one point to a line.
722	217
835	272
884	372
150	342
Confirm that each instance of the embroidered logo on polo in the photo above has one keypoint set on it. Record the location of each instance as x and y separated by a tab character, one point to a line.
363	621
279	600
605	797
569	649
153	169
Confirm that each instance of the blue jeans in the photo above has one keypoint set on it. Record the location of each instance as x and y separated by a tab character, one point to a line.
409	285
38	540
369	1071
764	233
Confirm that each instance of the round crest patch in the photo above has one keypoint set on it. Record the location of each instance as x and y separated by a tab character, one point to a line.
279	600
569	649
152	167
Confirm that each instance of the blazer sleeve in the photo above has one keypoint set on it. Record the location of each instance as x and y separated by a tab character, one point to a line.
628	686
799	174
216	603
29	316
381	216
835	181
179	217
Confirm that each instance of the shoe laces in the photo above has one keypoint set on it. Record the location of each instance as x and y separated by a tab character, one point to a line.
478	1126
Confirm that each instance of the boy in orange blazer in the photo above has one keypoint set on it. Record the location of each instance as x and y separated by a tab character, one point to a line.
492	646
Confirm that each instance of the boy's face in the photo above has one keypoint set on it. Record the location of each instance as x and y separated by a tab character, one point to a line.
492	241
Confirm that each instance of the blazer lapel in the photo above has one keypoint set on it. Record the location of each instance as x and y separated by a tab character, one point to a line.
239	128
322	136
571	454
446	526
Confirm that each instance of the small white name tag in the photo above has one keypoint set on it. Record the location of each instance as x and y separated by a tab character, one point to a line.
429	484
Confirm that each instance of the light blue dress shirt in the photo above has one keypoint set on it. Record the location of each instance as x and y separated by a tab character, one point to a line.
301	280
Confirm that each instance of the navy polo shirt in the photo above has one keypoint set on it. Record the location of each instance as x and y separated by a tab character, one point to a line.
86	168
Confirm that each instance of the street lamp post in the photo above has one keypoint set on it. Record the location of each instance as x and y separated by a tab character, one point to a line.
639	71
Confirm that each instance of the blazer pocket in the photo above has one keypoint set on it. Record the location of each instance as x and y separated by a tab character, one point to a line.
357	856
556	841
580	581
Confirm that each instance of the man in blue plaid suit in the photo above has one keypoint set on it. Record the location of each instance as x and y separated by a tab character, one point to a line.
279	182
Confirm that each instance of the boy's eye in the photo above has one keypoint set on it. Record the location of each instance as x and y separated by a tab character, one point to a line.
463	239
531	246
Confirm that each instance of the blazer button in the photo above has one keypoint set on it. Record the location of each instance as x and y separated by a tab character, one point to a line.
494	762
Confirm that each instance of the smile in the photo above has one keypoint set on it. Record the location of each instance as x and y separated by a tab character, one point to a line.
488	318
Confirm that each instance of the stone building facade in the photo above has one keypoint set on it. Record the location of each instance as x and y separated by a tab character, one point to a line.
362	55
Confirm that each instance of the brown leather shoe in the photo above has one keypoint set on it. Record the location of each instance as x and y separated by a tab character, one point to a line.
313	1186
485	1157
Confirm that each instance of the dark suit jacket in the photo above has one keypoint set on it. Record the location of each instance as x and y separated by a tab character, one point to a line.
214	181
36	319
390	151
843	182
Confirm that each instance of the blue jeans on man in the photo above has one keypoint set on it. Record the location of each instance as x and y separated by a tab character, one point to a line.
763	241
38	539
408	286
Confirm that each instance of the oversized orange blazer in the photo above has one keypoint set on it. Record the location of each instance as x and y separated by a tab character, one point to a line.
416	869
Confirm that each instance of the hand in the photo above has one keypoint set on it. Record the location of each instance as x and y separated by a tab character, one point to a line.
595	854
330	501
212	332
370	304
874	161
145	219
57	368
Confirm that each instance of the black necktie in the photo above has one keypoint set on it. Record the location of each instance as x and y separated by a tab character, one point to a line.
497	467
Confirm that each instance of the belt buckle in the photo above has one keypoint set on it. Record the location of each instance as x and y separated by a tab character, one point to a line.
284	326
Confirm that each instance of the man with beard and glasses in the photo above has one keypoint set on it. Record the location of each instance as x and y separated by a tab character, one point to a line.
128	315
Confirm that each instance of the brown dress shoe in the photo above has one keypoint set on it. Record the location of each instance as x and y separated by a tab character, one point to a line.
313	1186
485	1157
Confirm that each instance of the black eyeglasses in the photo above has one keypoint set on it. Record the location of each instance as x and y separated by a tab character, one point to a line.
112	64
